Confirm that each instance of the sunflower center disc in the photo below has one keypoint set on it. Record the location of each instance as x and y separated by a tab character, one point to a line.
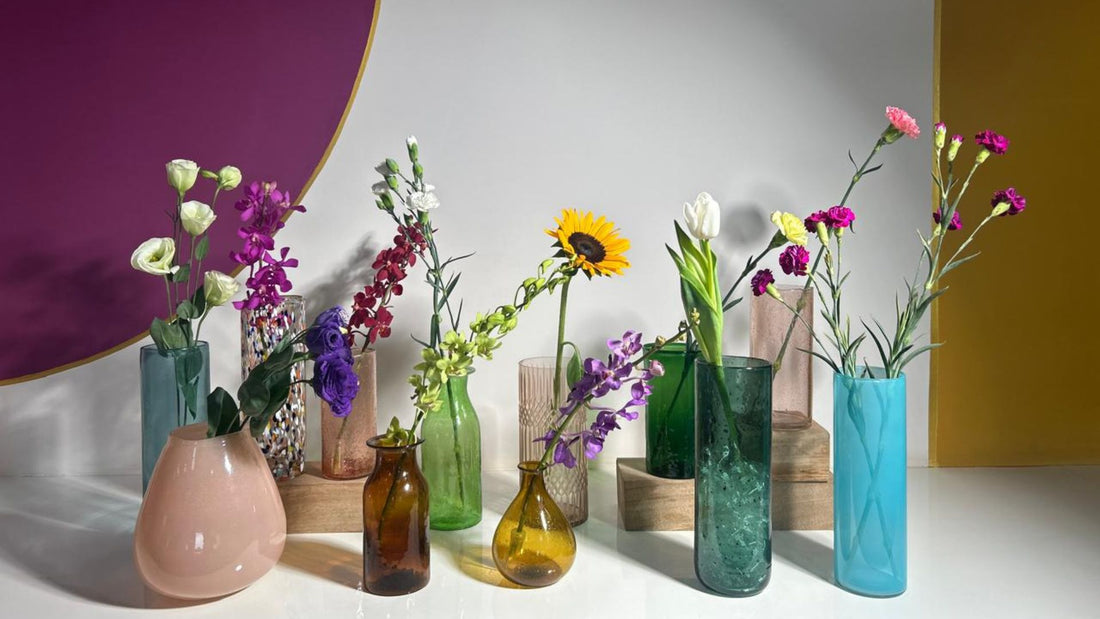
587	246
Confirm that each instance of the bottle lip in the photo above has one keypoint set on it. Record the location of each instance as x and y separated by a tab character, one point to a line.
375	442
529	466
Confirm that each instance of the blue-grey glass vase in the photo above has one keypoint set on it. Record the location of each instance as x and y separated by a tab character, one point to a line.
174	386
733	440
869	518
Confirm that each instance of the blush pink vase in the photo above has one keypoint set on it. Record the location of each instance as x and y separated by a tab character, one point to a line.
212	522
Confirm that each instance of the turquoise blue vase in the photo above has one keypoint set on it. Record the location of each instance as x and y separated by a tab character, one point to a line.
174	386
869	517
733	440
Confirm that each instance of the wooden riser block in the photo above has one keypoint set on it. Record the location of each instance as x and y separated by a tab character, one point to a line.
800	455
649	503
314	504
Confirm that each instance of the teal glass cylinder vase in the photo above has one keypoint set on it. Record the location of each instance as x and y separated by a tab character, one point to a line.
451	459
869	509
174	386
733	438
670	415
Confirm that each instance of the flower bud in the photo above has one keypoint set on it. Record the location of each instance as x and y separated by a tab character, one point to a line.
391	180
387	202
418	170
546	264
228	178
953	149
822	233
414	148
182	174
219	288
660	341
983	154
1001	209
773	291
391	165
196	217
939	135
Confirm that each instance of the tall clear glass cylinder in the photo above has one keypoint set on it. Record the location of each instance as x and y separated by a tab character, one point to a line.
733	549
869	503
568	487
174	386
284	439
792	385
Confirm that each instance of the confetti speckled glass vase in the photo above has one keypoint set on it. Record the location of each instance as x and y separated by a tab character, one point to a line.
792	385
733	553
869	511
284	439
344	450
568	487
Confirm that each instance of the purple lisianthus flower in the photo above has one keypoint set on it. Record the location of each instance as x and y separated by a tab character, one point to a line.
794	260
956	220
1016	202
815	218
761	280
327	333
992	142
840	217
335	382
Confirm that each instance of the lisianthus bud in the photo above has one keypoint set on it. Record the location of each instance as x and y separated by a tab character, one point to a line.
953	149
155	256
228	178
196	217
182	174
940	135
219	288
414	148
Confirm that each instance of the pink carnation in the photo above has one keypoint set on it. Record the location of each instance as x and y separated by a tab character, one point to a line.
812	221
902	121
840	217
992	141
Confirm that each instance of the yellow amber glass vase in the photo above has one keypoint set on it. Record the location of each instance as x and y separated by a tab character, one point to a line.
534	545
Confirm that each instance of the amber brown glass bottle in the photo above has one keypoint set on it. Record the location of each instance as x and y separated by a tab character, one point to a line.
396	551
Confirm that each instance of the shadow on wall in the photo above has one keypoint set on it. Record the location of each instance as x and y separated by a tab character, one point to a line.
340	286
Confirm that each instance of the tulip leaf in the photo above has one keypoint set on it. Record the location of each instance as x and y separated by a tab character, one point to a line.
202	248
183	274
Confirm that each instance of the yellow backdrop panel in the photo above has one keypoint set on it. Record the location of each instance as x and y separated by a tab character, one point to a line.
1017	382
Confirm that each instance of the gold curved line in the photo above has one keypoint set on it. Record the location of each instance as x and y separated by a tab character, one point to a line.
305	188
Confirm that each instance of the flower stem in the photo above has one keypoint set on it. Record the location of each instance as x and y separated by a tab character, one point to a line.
461	469
559	348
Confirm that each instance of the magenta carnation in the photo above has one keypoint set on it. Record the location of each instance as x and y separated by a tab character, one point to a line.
761	280
840	217
794	259
902	121
814	219
956	220
1016	202
957	138
992	142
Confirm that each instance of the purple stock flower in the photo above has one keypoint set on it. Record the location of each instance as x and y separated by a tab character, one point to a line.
794	260
761	280
956	220
1016	202
992	142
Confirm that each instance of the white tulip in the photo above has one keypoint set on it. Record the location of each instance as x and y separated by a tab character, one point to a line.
155	256
219	288
196	217
228	178
182	174
424	200
703	217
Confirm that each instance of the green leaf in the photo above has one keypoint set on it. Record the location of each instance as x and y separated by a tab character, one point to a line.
823	358
278	386
253	394
199	300
222	413
187	310
183	274
958	263
575	370
167	335
202	248
913	355
728	306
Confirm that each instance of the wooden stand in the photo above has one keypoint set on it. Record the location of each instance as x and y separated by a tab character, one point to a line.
314	504
802	488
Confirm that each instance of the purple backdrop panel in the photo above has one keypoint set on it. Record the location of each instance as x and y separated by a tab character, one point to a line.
97	96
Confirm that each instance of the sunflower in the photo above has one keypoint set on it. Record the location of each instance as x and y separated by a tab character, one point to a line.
591	244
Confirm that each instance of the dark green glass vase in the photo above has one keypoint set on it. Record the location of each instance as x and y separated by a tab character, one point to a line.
733	438
452	459
670	415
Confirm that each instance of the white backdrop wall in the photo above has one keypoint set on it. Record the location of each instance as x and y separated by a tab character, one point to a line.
522	108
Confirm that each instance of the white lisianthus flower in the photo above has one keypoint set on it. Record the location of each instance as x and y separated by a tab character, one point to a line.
703	218
155	256
196	217
219	288
182	174
424	200
228	178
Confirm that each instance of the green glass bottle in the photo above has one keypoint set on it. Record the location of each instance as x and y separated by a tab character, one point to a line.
670	415
452	459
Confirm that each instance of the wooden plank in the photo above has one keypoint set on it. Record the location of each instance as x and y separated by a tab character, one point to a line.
314	504
800	455
650	503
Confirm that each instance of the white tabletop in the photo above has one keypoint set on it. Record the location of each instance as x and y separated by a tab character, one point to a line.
982	543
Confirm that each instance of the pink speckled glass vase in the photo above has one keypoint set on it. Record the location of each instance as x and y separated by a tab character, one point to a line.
344	450
212	522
